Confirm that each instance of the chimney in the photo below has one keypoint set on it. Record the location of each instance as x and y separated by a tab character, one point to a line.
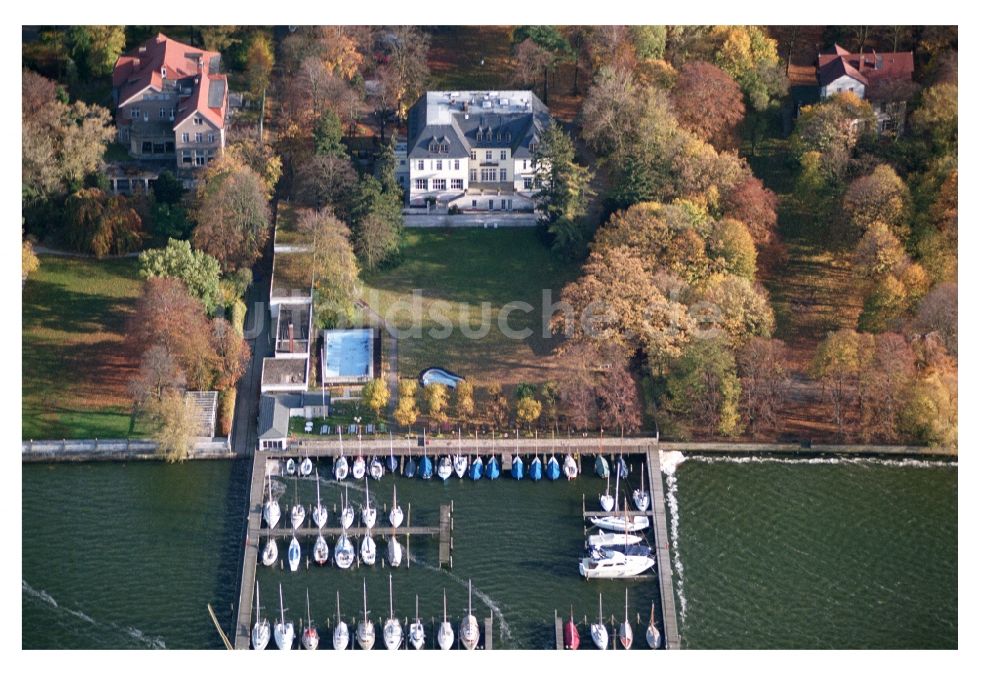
291	337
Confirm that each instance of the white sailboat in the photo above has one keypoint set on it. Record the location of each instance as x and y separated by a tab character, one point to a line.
366	630
343	552
368	514
305	467
319	513
621	524
392	632
298	514
341	634
321	550
612	564
416	633
358	469
284	632
640	496
310	636
625	629
445	467
570	468
346	512
294	554
394	552
652	633
460	463
269	554
470	626
375	469
607	502
446	635
341	468
602	539
290	466
368	549
272	510
598	632
261	630
396	514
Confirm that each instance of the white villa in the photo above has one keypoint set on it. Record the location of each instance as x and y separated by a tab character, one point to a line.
473	150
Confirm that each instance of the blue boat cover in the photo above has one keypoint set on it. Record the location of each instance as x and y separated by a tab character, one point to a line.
517	468
493	469
622	468
411	468
535	470
601	467
552	469
392	464
426	468
476	469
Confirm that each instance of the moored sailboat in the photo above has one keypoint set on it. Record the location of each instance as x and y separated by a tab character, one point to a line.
410	469
470	626
571	636
476	469
319	513
446	635
601	467
284	632
366	630
261	630
607	502
396	513
621	524
298	513
269	554
392	632
570	468
375	469
346	512
608	563
368	549
625	629
368	513
290	466
640	496
535	469
341	469
622	467
516	468
341	634
599	632
272	510
343	552
358	468
294	554
321	550
602	539
445	468
552	470
394	552
305	467
310	636
426	468
416	634
652	633
391	463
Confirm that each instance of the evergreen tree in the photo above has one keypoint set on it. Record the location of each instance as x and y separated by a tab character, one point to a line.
565	192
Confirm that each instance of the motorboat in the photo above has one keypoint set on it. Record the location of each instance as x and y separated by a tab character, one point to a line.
476	469
284	632
310	636
599	632
607	502
346	512
272	510
445	468
446	635
321	550
341	469
552	470
392	632
290	466
416	634
470	626
602	539
622	468
571	636
294	554
396	513
261	635
461	465
269	554
610	564
305	467
319	513
375	469
640	496
653	637
358	468
570	468
516	467
343	552
366	630
368	514
341	634
601	467
535	469
625	629
394	552
620	524
426	468
368	549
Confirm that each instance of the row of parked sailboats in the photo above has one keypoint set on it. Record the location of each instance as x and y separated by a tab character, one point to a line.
364	633
599	631
619	553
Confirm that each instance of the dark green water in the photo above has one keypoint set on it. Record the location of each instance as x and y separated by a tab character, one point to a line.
773	555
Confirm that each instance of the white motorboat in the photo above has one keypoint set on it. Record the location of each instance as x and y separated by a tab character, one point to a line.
284	632
321	550
612	564
319	513
346	512
261	630
602	539
358	469
640	496
294	554
394	552
460	464
341	469
272	510
368	549
470	626
366	630
621	524
341	634
368	514
570	468
392	632
445	467
416	633
290	466
625	629
599	632
305	467
446	635
396	514
269	554
343	552
652	633
375	469
310	636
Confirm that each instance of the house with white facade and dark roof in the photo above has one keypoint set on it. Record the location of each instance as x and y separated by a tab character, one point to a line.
885	79
474	150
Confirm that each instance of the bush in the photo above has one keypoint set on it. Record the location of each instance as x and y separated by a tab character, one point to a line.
238	315
227	409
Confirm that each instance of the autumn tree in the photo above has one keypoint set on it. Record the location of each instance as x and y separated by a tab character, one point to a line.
832	128
174	420
937	116
406	409
158	374
96	48
880	196
407	62
762	364
879	252
886	369
737	306
732	247
936	226
565	191
258	153
232	214
199	271
751	58
497	407
29	261
617	396
938	312
749	202
231	354
465	403
335	270
436	396
101	224
649	41
709	103
327	180
702	387
548	48
929	409
377	217
375	396
527	410
259	63
836	365
577	385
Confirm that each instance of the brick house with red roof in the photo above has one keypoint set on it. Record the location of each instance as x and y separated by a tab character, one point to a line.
171	103
885	79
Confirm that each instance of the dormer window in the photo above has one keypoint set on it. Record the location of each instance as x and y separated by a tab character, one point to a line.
489	134
434	147
444	147
533	146
479	135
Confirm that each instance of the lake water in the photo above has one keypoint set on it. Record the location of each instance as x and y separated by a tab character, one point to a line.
769	554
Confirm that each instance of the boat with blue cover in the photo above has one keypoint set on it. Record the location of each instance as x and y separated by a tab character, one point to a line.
516	467
622	467
552	470
493	469
601	468
426	468
535	469
476	469
391	463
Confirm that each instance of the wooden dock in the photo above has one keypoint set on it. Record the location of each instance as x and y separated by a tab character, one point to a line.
488	632
658	503
251	552
560	645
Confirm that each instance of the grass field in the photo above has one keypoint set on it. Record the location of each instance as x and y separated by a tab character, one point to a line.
74	365
471	273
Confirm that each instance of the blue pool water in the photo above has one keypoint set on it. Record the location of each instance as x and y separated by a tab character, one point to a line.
348	353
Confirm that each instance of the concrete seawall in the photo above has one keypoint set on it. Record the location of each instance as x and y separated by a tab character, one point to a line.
90	450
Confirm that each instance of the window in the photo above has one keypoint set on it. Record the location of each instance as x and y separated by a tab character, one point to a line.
455	165
163	113
528	184
479	135
147	147
489	154
444	148
473	156
145	116
440	184
474	203
198	137
211	138
533	146
456	184
198	120
503	154
420	165
199	158
186	157
503	174
135	113
185	137
525	165
437	165
472	175
489	174
433	147
420	184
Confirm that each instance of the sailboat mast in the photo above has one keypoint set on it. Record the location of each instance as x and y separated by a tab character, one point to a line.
309	615
390	595
338	606
258	602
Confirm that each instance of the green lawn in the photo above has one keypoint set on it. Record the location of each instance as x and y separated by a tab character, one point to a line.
74	362
471	273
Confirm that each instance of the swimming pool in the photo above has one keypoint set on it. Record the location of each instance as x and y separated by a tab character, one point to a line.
348	355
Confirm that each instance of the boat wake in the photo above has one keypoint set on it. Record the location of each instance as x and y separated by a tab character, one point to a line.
838	460
46	598
669	461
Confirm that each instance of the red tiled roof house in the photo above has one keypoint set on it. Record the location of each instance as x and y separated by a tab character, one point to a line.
884	78
170	102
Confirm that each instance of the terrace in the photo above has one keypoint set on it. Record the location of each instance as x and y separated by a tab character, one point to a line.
291	282
288	234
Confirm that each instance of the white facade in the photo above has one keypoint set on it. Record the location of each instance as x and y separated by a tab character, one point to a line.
440	178
844	83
